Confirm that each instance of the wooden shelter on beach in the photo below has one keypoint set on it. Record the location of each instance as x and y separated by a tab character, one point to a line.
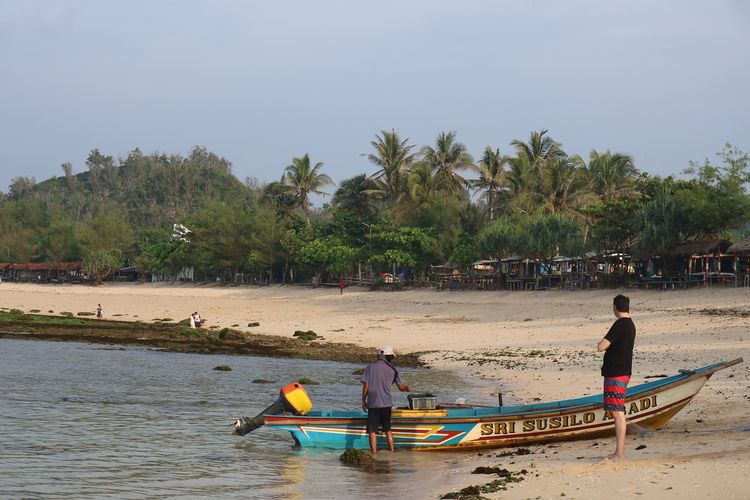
41	272
741	251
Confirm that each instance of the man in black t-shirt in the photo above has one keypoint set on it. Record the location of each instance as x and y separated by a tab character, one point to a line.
617	368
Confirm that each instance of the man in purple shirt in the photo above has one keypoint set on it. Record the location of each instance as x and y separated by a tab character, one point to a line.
376	395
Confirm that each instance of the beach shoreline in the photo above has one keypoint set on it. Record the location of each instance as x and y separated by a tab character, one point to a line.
535	346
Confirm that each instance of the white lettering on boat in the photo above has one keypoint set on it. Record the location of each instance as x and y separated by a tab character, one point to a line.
562	421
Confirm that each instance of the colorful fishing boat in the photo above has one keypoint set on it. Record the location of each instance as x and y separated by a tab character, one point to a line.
648	405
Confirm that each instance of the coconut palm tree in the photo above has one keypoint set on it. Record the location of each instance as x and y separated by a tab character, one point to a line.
539	149
446	159
304	180
563	185
394	158
611	175
354	194
282	197
491	177
522	179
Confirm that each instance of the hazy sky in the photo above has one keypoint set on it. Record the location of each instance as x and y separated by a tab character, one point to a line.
262	82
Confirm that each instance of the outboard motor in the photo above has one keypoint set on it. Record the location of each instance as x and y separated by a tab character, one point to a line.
292	398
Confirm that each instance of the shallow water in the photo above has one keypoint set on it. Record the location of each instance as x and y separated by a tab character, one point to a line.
87	420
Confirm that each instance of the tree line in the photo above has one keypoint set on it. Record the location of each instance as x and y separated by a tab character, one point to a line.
418	206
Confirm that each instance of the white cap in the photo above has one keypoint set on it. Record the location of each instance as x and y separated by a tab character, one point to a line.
386	350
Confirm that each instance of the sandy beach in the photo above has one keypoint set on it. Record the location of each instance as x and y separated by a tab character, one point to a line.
530	345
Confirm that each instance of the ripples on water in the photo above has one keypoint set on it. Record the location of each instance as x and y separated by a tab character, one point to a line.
89	421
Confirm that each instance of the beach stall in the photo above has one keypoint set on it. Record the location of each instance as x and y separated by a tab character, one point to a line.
43	272
706	261
741	252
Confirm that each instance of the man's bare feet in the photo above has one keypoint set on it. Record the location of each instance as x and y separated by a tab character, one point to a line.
614	456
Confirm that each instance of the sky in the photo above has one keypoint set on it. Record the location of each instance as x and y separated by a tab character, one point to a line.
261	82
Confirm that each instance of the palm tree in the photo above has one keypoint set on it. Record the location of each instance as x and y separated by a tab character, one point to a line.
563	186
491	176
304	180
447	158
394	157
540	148
523	181
282	197
354	194
611	175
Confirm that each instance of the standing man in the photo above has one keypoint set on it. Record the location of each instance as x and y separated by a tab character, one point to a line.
617	368
99	312
376	395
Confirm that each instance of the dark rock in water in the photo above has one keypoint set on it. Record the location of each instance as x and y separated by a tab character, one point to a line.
223	368
358	371
262	381
308	335
308	381
356	457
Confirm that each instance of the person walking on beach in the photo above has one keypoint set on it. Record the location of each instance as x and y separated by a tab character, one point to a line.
99	312
617	367
376	395
342	285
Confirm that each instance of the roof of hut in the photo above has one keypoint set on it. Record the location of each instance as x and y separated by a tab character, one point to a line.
42	266
701	247
742	246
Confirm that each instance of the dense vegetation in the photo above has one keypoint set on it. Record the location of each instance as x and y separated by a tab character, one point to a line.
417	207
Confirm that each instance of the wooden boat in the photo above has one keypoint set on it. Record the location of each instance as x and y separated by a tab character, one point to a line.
649	405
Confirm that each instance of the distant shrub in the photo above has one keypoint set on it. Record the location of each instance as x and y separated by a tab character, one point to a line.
252	324
16	311
67	314
35	310
50	311
85	313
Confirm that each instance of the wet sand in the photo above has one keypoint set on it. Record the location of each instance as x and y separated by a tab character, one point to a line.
530	345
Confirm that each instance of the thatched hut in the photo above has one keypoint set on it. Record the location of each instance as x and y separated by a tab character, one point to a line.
741	251
742	247
704	257
41	272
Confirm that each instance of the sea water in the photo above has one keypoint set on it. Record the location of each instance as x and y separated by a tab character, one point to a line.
88	420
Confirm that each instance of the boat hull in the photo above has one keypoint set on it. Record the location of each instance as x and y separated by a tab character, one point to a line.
648	405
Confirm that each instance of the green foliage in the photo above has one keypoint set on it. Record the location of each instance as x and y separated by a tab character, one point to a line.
662	222
414	210
328	254
465	253
543	237
102	263
499	237
391	245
